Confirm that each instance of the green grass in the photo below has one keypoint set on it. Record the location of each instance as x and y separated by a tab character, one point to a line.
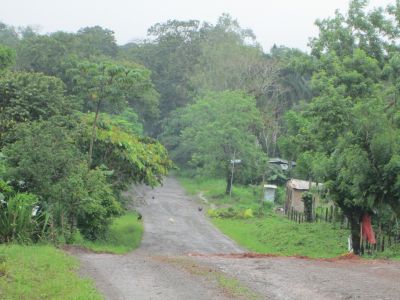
124	235
214	190
275	234
41	272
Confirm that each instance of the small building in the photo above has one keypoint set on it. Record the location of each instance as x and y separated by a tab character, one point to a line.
269	192
294	190
282	163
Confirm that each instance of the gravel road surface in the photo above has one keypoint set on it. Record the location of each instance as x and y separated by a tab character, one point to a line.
176	231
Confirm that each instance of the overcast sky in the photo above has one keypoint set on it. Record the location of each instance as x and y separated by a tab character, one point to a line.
283	22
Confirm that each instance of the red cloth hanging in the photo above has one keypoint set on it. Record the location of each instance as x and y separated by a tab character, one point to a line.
367	231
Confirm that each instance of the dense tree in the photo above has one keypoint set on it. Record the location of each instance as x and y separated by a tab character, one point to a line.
96	41
108	85
170	53
9	35
7	57
347	136
42	53
31	96
130	158
44	159
218	128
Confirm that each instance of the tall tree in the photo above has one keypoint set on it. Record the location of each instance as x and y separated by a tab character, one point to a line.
31	96
108	85
217	129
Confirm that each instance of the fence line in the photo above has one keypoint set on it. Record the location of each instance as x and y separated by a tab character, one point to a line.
384	238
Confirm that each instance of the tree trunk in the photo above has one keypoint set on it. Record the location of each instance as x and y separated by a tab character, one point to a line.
228	182
93	134
354	220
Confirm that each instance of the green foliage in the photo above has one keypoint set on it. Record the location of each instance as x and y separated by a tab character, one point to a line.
96	41
128	121
41	272
170	54
231	212
348	135
123	235
9	36
45	160
111	85
26	97
267	232
132	159
7	57
217	128
2	165
280	195
42	53
275	234
307	198
16	220
238	61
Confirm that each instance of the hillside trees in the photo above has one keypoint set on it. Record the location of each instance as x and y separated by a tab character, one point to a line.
170	52
7	57
46	138
28	97
219	127
109	85
347	136
45	160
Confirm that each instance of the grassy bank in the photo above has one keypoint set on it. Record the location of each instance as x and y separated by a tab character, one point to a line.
124	235
269	233
214	190
41	272
275	234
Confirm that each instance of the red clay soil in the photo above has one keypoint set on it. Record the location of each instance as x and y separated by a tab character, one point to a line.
347	256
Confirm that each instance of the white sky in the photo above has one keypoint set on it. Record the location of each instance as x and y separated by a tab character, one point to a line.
283	22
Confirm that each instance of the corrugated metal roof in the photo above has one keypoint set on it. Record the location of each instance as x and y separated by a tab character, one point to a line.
270	186
278	160
302	185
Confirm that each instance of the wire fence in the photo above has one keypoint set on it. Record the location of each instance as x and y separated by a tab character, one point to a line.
386	236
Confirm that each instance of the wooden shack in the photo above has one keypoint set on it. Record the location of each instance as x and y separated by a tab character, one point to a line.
294	190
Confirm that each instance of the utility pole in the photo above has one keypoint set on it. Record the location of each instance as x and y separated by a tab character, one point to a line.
233	162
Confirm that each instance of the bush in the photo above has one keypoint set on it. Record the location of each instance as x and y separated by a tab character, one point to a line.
280	195
17	222
231	212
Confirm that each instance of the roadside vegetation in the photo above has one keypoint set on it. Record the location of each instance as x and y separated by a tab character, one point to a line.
41	272
124	235
82	118
257	227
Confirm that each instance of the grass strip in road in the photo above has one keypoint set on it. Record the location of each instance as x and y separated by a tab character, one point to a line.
231	286
41	272
124	235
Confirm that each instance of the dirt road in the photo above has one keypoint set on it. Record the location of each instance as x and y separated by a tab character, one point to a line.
167	264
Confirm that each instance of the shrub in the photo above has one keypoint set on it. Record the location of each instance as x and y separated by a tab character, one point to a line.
16	220
231	213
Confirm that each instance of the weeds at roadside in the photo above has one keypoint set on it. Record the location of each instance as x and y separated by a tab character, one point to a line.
41	272
124	235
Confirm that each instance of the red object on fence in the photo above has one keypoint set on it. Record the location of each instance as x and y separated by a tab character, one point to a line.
367	231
